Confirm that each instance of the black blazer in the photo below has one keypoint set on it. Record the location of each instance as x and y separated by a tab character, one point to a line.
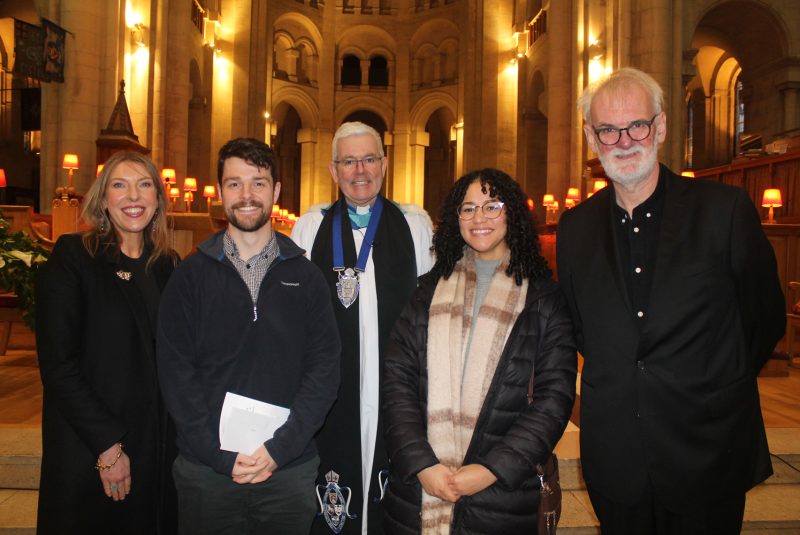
97	361
677	400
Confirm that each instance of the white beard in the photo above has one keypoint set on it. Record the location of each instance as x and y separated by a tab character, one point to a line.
615	169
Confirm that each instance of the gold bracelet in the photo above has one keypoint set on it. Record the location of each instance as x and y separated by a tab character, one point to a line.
99	465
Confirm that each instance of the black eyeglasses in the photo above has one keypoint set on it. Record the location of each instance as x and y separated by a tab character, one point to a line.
637	131
490	209
351	163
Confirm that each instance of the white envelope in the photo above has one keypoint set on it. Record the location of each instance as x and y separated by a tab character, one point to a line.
245	423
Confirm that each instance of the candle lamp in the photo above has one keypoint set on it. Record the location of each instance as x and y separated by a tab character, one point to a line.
70	163
168	177
189	187
174	195
771	199
209	192
573	197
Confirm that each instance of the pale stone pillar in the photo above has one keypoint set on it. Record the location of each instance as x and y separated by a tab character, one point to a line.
70	111
560	102
437	70
364	75
313	68
178	92
291	67
316	184
411	188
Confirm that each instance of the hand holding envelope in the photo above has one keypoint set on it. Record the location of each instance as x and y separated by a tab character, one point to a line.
245	424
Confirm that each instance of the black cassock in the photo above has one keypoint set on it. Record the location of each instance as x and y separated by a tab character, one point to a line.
339	441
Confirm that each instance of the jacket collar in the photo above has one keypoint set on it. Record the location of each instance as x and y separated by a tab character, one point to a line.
214	247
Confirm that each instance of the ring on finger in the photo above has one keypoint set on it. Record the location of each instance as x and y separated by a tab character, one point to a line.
114	487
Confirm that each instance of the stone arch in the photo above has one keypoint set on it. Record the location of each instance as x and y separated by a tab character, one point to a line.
288	154
294	18
434	53
425	63
439	169
283	57
366	103
428	104
448	51
301	101
738	41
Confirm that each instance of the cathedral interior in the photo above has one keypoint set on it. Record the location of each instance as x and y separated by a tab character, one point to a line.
451	85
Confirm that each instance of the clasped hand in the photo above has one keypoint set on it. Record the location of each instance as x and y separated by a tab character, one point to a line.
253	468
449	484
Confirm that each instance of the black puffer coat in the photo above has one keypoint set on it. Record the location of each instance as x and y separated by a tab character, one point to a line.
510	436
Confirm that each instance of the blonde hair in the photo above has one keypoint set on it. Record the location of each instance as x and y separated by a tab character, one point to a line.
102	233
621	79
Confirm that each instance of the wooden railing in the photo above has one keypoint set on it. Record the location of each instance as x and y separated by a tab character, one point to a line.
780	171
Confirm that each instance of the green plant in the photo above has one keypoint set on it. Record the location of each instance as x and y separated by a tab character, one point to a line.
20	259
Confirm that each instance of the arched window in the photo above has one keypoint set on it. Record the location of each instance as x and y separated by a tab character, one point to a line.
378	72
739	119
351	70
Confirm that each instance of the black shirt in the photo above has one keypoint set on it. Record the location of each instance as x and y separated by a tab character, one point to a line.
637	243
146	284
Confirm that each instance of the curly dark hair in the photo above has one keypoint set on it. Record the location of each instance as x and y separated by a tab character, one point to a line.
253	151
521	237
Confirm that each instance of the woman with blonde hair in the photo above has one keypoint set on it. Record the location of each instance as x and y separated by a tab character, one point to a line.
479	379
105	457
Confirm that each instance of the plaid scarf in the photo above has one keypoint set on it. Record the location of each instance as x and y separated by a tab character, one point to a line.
456	393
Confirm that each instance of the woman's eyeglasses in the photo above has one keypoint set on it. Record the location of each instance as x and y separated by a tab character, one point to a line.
490	209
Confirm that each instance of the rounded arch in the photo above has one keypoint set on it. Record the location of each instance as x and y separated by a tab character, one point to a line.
352	50
287	19
433	31
741	50
365	103
365	36
439	172
427	105
301	101
738	21
380	51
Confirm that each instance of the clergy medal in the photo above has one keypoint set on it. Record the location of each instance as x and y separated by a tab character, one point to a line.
347	287
332	504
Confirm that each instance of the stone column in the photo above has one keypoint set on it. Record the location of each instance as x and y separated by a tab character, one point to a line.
178	92
70	111
560	102
291	67
413	191
316	185
365	75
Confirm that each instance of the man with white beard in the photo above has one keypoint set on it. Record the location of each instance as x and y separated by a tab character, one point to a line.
677	305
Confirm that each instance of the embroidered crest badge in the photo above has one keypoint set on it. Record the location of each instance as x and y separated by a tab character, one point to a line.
332	504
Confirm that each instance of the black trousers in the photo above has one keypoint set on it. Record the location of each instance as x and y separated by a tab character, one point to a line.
213	504
720	515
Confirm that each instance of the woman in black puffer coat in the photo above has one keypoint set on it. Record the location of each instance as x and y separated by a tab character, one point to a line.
470	438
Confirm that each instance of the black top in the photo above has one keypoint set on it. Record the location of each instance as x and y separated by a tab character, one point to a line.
637	243
146	285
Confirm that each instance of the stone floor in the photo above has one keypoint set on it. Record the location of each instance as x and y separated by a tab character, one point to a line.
772	508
